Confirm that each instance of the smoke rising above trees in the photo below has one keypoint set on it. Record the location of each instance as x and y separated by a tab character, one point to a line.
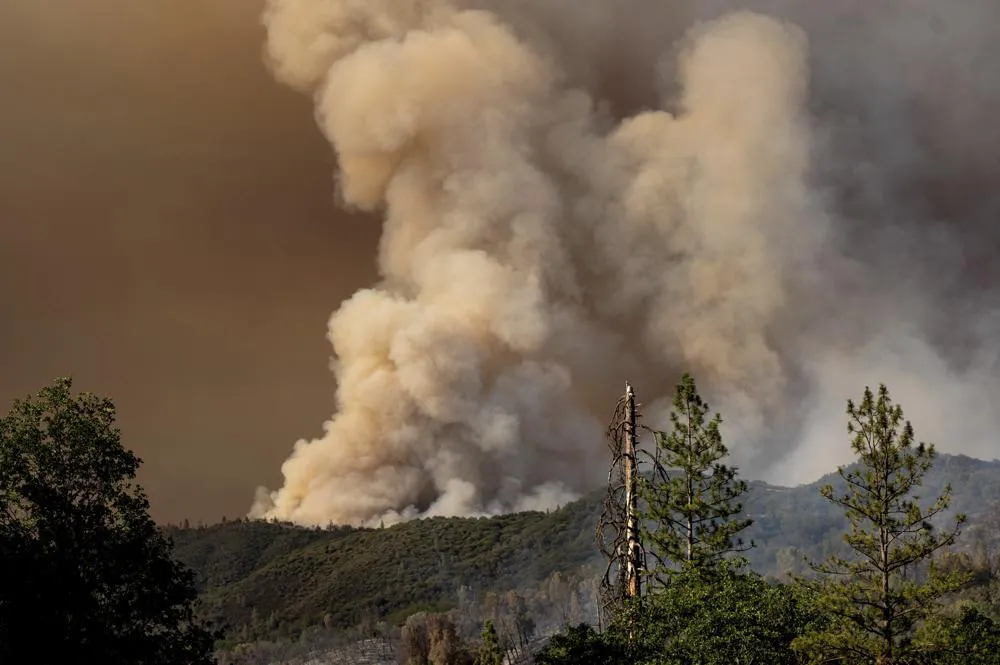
572	195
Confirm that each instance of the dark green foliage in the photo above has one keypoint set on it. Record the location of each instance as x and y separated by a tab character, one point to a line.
874	598
85	574
227	552
282	574
706	610
715	617
273	580
691	498
490	652
706	614
581	645
387	573
971	638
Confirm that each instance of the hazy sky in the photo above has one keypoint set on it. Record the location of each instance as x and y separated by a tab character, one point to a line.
170	237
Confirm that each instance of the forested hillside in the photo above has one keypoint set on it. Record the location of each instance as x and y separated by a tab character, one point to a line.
264	580
792	522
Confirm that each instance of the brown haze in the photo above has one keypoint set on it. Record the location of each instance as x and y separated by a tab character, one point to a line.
813	208
170	237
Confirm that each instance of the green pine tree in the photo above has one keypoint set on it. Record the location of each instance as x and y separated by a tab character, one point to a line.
873	599
490	652
692	498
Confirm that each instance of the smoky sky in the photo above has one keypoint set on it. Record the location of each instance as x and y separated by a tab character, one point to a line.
791	199
171	236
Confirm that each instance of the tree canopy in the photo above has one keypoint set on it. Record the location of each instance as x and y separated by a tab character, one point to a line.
82	564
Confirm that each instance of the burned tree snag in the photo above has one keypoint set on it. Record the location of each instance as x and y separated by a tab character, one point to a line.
632	561
618	533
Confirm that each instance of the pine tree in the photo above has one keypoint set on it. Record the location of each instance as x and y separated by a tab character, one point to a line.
490	652
692	499
873	600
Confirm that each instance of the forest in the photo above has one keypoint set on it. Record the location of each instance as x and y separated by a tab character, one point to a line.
891	560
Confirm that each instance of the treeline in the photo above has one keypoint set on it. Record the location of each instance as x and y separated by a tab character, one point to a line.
899	597
86	576
518	621
82	564
271	582
267	582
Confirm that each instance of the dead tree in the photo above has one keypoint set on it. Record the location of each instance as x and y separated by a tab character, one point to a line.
618	533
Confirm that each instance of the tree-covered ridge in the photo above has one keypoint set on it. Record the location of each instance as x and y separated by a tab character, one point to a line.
285	577
342	575
797	522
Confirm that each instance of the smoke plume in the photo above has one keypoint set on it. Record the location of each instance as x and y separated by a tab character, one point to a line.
789	200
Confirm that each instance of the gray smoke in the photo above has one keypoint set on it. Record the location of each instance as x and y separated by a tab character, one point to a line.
789	200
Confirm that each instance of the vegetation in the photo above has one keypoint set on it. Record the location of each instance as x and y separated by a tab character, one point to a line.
267	581
490	652
305	577
581	644
80	558
873	599
718	617
886	603
690	497
708	608
968	637
432	639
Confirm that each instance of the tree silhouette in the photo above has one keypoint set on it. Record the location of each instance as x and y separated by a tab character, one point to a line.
85	574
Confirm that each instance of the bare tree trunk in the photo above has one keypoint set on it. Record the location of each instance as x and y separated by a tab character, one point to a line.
618	534
887	605
690	487
634	559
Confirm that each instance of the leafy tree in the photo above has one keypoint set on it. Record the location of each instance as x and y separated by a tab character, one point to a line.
717	617
81	562
873	599
971	638
692	499
581	645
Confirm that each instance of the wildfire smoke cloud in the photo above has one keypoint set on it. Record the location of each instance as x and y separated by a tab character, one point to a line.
538	244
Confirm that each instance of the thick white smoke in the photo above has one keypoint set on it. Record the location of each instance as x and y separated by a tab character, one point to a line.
538	248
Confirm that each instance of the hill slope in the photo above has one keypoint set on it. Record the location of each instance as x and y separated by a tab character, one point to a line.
261	578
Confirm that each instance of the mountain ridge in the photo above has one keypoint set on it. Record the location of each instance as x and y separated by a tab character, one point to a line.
261	579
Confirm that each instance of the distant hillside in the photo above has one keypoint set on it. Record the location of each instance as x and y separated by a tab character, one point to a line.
792	522
262	578
253	573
